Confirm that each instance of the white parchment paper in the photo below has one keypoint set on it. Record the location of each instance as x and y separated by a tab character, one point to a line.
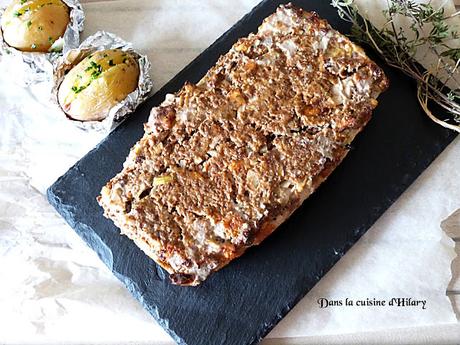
55	290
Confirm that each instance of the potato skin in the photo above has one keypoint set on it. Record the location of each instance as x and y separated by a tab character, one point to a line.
34	25
97	84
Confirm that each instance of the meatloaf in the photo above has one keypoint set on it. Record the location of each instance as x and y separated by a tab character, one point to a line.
224	162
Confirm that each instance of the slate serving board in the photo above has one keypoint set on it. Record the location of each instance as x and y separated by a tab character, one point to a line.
244	301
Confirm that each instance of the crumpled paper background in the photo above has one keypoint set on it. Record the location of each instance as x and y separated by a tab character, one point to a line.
55	290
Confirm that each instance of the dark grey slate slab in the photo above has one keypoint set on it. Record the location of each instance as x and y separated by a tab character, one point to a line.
243	302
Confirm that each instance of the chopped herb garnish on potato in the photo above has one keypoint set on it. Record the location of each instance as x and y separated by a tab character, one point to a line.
78	89
111	63
95	74
97	70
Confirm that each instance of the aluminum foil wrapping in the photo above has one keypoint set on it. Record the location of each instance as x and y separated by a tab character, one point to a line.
29	67
102	40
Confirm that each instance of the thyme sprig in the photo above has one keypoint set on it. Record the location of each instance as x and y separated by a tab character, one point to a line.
429	30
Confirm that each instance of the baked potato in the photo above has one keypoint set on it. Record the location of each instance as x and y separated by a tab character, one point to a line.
97	83
34	25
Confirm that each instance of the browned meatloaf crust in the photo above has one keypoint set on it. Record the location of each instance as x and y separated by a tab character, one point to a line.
223	163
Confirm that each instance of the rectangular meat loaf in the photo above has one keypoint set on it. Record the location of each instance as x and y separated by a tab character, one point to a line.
223	163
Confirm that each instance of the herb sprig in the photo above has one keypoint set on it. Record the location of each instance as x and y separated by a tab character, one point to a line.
429	30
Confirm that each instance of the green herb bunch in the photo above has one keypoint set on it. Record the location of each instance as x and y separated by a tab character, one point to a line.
429	29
